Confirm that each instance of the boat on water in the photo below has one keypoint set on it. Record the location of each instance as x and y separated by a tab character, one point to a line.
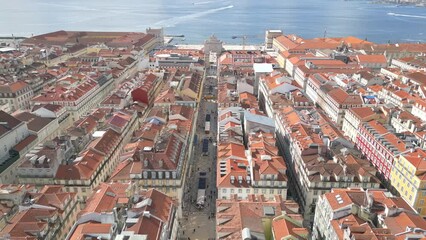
181	35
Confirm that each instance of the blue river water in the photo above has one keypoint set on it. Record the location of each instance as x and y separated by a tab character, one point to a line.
198	19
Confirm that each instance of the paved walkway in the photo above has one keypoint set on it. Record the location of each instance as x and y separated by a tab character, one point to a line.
198	226
200	223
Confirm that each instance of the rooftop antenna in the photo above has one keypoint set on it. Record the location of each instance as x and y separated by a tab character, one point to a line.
325	32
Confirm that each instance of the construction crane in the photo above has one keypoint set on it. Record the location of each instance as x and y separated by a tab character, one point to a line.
244	38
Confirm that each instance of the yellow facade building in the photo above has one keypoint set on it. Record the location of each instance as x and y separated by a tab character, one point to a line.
408	177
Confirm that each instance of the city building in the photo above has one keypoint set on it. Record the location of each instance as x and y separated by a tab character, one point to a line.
396	50
353	118
367	79
289	226
158	152
12	132
408	178
45	214
255	122
230	125
11	196
227	92
410	63
130	40
55	112
182	87
365	214
18	94
78	98
179	58
95	163
269	37
213	45
331	98
145	93
43	128
318	157
41	163
273	86
240	59
379	143
122	211
250	218
152	215
372	61
103	214
419	109
92	166
260	69
404	121
190	86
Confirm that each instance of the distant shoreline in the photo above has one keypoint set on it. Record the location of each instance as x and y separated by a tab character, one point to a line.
11	38
416	4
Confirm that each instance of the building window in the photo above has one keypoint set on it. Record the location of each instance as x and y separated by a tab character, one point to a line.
224	190
240	190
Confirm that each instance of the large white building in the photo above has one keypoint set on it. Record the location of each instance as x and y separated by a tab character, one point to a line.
353	117
260	69
317	158
419	109
77	99
17	94
360	214
12	132
331	98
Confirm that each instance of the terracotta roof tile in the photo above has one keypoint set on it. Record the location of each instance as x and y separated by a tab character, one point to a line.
372	59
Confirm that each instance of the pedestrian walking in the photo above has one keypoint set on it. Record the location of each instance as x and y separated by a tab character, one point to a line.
193	231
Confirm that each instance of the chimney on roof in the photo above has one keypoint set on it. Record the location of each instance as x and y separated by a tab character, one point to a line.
246	234
147	214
